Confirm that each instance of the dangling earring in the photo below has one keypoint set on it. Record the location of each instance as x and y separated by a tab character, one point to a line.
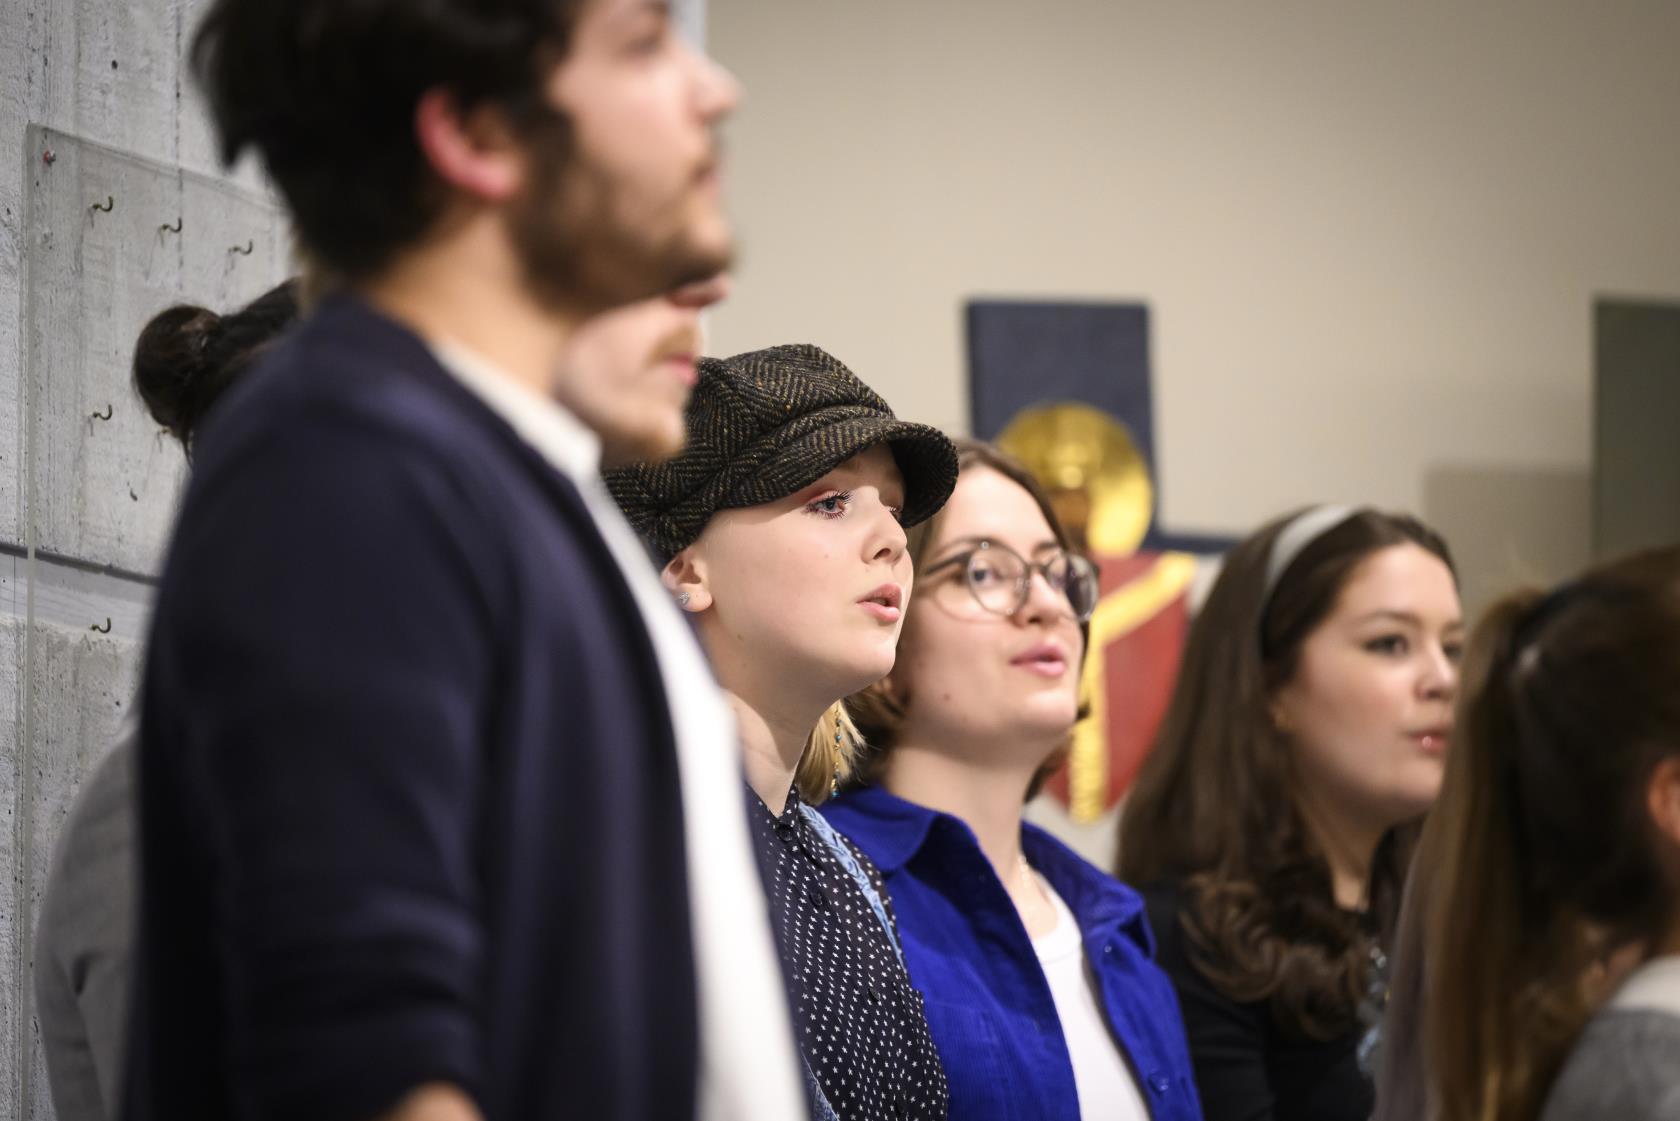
834	784
682	599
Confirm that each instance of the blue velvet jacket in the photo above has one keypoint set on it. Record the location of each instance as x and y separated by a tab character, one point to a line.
988	1005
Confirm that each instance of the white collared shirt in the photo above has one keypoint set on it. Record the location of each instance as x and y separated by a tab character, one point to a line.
1652	987
747	1065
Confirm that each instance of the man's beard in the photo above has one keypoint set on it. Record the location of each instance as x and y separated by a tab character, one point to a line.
576	248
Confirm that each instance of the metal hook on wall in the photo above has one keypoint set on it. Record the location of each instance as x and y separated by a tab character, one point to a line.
245	250
106	415
105	208
168	229
106	629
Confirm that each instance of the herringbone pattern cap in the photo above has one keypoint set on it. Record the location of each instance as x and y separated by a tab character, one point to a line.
761	425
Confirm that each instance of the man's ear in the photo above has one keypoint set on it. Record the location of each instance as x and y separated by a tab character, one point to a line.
1662	799
685	576
1278	710
475	151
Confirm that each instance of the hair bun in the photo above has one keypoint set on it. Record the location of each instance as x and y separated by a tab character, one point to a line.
187	356
170	361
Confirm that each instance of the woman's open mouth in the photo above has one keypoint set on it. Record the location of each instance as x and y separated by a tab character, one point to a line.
886	603
1045	658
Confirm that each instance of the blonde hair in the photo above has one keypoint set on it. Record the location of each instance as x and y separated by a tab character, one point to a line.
830	755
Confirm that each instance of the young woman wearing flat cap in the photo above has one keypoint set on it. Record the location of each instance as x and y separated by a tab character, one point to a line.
782	530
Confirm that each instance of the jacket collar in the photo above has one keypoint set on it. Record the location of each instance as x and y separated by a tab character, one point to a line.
1101	903
888	829
1654	985
557	435
892	831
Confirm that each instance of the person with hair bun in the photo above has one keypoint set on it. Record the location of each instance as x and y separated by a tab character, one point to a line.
1548	928
782	531
1271	828
187	356
184	360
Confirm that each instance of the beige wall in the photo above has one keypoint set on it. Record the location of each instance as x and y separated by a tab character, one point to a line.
1370	232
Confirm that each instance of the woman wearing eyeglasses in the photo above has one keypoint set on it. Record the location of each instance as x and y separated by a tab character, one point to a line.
1042	997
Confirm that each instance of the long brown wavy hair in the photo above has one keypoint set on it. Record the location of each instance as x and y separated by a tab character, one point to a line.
1540	851
1213	806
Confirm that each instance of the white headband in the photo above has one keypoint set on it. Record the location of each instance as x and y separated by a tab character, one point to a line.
1306	528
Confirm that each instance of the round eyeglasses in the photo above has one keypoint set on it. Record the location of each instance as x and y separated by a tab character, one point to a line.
1000	579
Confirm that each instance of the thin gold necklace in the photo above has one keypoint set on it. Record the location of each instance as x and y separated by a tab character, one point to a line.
1032	880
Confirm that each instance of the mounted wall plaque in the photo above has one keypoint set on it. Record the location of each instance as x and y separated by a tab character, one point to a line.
110	239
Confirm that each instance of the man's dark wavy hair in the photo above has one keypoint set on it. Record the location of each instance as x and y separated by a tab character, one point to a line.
326	90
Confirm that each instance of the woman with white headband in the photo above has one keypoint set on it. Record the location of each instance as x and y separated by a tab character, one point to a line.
1271	827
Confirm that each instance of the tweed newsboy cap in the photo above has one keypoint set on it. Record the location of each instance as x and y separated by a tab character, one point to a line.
763	424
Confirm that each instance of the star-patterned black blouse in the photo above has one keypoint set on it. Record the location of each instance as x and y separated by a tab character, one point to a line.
860	1023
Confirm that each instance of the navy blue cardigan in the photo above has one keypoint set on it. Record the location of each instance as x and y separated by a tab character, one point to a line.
409	793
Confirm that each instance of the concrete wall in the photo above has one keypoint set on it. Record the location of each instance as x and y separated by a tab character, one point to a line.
92	497
1369	233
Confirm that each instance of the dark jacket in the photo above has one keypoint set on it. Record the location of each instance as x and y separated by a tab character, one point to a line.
409	795
1249	1067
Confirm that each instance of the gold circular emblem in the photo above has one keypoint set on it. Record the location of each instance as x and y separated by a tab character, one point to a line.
1088	462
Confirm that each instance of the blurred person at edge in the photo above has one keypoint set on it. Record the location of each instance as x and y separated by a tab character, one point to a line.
439	813
1271	828
1542	927
1041	993
185	359
782	525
